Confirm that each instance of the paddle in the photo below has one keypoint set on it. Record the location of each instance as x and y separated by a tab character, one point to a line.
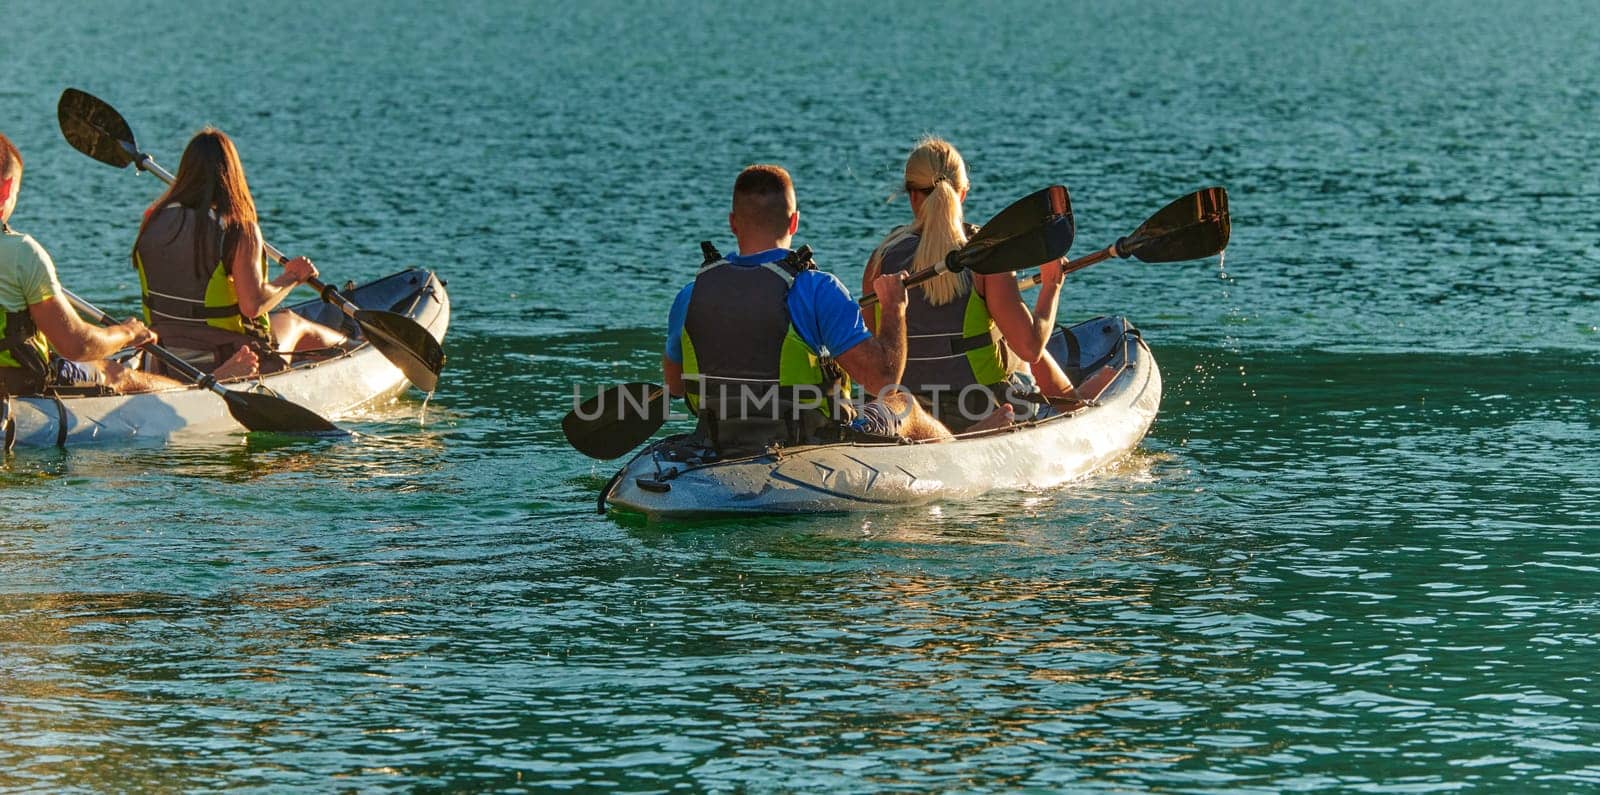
1034	229
96	129
616	420
1191	227
256	411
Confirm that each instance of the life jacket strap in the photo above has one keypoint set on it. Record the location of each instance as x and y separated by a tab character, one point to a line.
971	343
709	252
799	260
175	308
19	329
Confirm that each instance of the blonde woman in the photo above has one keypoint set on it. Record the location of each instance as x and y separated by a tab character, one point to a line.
973	346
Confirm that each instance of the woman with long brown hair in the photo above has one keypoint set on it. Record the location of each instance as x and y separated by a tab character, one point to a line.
973	346
202	274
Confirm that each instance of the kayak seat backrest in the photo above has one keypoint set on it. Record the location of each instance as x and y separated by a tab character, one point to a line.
1088	346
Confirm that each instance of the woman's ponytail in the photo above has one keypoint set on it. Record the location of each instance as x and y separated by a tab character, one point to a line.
936	170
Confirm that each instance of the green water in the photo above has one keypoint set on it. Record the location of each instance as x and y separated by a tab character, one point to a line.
1358	551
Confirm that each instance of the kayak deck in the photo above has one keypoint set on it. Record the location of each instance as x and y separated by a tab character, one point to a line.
660	482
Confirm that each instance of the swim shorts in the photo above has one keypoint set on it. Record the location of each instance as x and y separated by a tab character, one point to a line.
65	372
877	419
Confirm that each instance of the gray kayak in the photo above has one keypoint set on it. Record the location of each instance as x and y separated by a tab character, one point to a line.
663	482
346	381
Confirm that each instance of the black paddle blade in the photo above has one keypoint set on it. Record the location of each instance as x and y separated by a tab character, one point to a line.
1032	231
1191	227
406	343
617	420
259	411
1025	214
95	128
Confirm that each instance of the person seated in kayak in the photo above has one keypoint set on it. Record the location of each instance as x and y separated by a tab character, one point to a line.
202	273
759	328
39	318
974	348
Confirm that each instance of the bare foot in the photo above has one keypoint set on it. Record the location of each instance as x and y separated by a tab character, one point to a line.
1095	384
126	381
999	418
242	364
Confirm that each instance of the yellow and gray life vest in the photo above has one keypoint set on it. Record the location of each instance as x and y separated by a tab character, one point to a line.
949	347
189	297
743	361
24	353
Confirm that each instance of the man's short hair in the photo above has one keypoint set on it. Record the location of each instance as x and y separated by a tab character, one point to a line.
764	195
10	158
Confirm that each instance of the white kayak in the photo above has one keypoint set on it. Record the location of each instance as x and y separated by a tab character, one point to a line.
673	479
330	386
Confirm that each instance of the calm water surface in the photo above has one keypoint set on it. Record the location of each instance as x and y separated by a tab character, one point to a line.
1358	552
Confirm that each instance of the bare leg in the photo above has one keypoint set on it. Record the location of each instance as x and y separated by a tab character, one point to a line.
295	333
1097	382
1052	380
242	364
1055	385
127	380
916	423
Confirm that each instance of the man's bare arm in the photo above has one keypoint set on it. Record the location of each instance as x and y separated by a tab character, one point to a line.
879	362
672	373
72	338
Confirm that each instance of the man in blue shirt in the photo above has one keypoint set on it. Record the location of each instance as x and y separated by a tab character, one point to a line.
731	317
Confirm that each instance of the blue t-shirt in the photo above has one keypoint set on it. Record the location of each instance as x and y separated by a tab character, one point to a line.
820	309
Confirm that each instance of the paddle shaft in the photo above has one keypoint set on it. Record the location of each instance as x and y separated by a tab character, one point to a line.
1023	282
910	282
172	360
1032	279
